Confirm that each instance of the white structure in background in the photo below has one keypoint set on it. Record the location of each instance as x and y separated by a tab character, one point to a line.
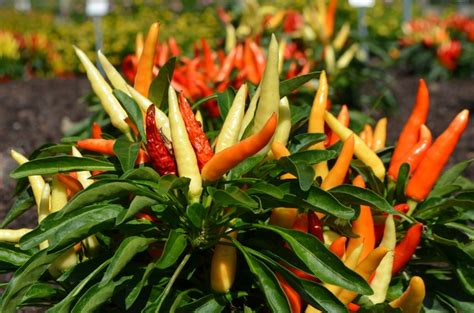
361	5
96	9
23	5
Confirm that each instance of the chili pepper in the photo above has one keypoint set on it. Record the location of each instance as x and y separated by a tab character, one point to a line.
406	247
301	223
259	59
239	57
13	235
283	217
338	246
414	155
208	62
410	133
110	104
249	63
341	37
163	54
330	18
106	146
230	37
294	299
352	307
282	132
338	172
36	181
365	269
270	94
250	113
436	158
344	118
315	226
226	66
58	195
383	274
144	75
71	183
43	210
138	44
96	131
230	157
229	134
129	67
411	301
196	135
199	119
346	58
367	135
316	122
185	156
363	153
112	74
380	135
82	176
160	157
223	264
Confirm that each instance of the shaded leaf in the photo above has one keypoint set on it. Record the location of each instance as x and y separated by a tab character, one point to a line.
232	196
225	99
133	110
174	247
126	152
22	204
289	85
302	141
158	92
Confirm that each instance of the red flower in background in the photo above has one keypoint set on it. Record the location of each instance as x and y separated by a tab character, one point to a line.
449	53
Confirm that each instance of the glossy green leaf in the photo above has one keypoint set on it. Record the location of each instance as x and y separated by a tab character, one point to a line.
136	290
328	203
128	248
232	196
10	254
299	114
245	166
97	295
301	142
465	274
41	292
322	263
196	213
289	85
126	152
313	156
403	174
450	175
263	188
24	278
360	196
74	227
158	92
267	281
225	99
174	247
168	183
373	182
141	173
210	303
302	170
22	203
133	110
59	164
138	203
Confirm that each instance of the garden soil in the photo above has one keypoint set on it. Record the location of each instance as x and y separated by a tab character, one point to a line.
35	112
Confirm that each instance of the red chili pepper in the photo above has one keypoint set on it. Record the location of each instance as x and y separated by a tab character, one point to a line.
146	216
409	135
161	158
163	54
174	48
129	67
208	62
96	131
239	57
338	246
293	297
259	59
406	247
72	184
249	63
226	66
436	157
315	226
196	135
301	223
352	307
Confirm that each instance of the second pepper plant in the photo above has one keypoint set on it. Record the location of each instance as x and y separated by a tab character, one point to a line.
155	217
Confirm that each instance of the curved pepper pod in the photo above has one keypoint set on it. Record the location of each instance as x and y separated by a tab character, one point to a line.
406	247
338	172
36	181
436	158
380	135
228	158
361	150
411	301
144	75
223	265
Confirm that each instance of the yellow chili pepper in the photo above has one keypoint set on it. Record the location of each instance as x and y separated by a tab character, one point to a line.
58	195
13	235
341	36
139	44
183	150
36	181
347	57
112	74
199	118
110	104
250	113
380	135
229	134
224	265
84	177
383	274
43	210
363	153
411	301
282	132
330	59
316	122
230	37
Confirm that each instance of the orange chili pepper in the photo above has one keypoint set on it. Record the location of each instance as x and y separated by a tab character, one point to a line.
338	246
338	172
227	66
230	157
71	183
208	62
363	226
174	48
294	298
409	135
106	146
330	18
406	247
144	75
344	118
259	59
415	155
352	307
436	158
367	135
96	131
249	63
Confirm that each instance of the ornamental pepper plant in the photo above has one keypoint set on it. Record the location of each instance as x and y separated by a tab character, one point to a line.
268	214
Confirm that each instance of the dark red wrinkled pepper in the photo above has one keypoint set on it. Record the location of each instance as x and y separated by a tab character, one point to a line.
315	226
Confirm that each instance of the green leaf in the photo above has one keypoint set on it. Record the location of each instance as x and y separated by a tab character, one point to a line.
133	110
24	278
360	196
158	92
465	274
372	181
450	175
142	173
138	203
65	304
403	174
233	196
313	156
97	295
10	254
196	213
289	85
209	303
329	204
72	228
263	188
322	263
174	247
128	248
225	99
267	281
126	152
302	170
59	164
245	166
301	142
136	290
299	114
22	203
41	292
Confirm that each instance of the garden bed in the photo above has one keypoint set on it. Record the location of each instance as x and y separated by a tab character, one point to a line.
37	111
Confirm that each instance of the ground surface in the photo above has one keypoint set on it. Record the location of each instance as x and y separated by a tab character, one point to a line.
34	112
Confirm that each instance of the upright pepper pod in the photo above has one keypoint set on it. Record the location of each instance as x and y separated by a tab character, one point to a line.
186	160
344	118
110	104
224	265
338	172
282	132
144	75
406	247
82	176
341	37
250	113
411	301
380	135
36	181
363	153
316	122
112	74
